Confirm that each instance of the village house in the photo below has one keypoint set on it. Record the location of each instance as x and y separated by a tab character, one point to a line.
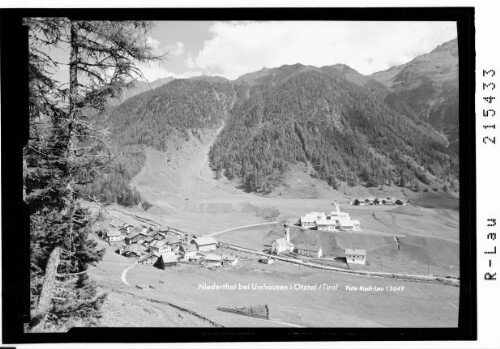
159	246
149	259
167	259
212	260
205	243
355	256
135	236
121	248
173	241
135	250
309	250
114	236
126	229
147	241
188	251
229	260
309	220
156	235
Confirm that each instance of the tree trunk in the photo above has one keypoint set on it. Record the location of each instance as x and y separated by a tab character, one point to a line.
45	299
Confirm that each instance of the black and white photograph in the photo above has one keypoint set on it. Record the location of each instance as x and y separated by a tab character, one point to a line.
243	174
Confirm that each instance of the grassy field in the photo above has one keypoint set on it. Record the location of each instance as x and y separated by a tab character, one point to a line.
413	305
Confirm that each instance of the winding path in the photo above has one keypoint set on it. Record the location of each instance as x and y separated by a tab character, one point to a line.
241	227
124	274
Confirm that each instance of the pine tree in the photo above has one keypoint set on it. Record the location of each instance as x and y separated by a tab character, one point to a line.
65	150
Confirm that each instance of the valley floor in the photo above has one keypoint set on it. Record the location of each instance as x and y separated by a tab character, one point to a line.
185	196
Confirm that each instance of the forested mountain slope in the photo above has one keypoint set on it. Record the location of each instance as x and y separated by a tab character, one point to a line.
391	128
158	118
317	115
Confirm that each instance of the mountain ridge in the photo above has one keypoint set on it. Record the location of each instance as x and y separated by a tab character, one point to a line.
348	127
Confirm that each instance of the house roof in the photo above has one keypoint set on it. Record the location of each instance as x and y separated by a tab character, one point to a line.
344	221
325	222
307	246
172	239
335	214
351	251
149	255
283	243
213	257
135	233
355	221
189	248
312	216
157	243
135	248
205	240
169	257
114	233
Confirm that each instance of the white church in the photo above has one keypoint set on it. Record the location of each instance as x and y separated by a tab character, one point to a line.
282	245
335	221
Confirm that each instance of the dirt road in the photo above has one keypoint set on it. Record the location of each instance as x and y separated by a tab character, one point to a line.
241	227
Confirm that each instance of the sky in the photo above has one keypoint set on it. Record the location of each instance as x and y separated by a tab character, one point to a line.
231	49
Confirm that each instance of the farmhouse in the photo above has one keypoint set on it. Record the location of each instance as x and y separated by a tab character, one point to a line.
205	243
188	251
155	234
167	259
309	250
149	259
212	260
135	237
355	256
160	247
114	235
174	242
126	229
134	250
